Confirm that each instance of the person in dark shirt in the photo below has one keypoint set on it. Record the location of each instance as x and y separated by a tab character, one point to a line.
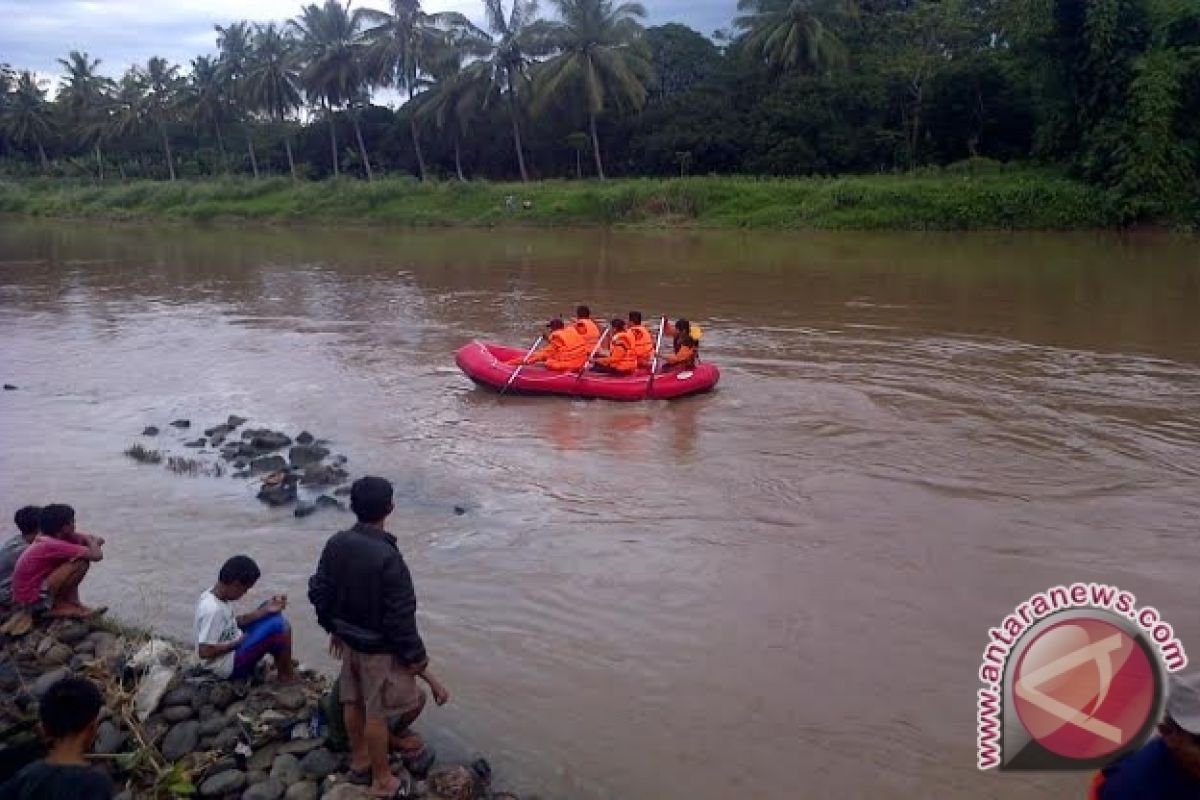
1167	767
364	597
70	716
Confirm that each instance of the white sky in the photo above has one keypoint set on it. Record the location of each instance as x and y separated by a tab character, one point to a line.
33	33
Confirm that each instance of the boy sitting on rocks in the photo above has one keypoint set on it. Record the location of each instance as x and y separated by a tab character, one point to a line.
47	575
70	717
230	646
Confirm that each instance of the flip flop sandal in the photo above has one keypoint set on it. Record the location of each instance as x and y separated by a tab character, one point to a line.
404	791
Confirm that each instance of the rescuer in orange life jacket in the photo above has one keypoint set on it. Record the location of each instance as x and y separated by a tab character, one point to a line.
643	340
687	345
586	326
567	351
621	358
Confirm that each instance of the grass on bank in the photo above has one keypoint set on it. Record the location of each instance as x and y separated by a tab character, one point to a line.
946	199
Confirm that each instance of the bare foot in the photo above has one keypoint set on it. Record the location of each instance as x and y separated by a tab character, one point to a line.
388	789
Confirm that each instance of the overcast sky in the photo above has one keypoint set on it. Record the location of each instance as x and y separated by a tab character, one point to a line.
33	33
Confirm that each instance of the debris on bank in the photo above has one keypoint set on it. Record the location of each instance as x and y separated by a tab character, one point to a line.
170	731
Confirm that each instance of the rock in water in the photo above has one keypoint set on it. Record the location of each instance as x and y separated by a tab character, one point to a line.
304	454
235	421
181	424
286	769
279	495
109	740
201	442
455	783
150	430
325	501
43	684
304	510
301	791
323	475
318	764
8	387
267	464
305	438
268	440
181	740
270	789
221	784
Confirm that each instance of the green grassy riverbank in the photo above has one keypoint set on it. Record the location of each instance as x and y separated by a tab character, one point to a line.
947	200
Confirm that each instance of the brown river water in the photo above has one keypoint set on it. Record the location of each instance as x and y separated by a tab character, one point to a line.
778	590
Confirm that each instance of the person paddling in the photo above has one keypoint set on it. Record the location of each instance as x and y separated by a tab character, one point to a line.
567	351
586	327
687	346
643	340
622	357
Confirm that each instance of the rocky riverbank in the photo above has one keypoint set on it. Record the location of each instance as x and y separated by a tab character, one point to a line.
169	731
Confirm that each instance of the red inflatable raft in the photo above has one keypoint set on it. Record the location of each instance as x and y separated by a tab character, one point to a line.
483	362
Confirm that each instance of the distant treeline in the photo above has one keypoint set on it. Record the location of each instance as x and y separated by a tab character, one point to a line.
1106	90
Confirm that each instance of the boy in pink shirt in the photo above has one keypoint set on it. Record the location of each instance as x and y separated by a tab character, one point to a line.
48	573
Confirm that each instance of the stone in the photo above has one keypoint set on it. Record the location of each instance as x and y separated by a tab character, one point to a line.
266	464
270	789
301	791
221	784
345	791
280	495
268	440
180	740
43	684
222	695
8	387
459	511
241	463
318	764
183	696
256	776
323	475
455	783
213	725
299	747
264	757
72	633
177	713
305	438
182	424
235	421
482	770
290	698
227	739
286	769
57	655
201	442
304	454
109	739
304	510
325	501
222	764
222	430
149	430
342	491
106	644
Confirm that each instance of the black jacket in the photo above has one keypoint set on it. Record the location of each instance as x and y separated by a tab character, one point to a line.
363	594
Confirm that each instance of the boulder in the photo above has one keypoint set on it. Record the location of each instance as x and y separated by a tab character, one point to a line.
267	464
183	696
213	725
57	655
221	430
222	695
256	776
201	442
304	454
323	475
264	757
181	424
305	509
149	430
279	495
301	791
325	501
72	633
290	698
235	421
221	784
177	713
43	684
455	783
270	789
181	740
109	740
266	440
318	764
305	438
286	769
227	739
299	747
106	644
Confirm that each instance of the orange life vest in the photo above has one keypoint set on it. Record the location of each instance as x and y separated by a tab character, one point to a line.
569	350
621	355
643	343
589	330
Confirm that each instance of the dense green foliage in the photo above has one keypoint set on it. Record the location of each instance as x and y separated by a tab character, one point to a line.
968	197
1102	91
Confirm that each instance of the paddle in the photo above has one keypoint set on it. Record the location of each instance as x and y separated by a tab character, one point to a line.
524	361
592	354
662	326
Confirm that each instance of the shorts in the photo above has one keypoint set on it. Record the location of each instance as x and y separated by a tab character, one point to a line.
268	636
379	683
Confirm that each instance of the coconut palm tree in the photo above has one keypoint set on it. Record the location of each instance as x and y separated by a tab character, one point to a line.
84	97
793	35
600	58
233	41
403	44
516	37
455	98
163	87
273	79
27	115
127	112
333	74
206	99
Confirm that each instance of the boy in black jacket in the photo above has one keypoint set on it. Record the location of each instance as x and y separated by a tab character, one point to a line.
363	595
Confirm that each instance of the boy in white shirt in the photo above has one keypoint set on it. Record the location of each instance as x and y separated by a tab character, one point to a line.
229	645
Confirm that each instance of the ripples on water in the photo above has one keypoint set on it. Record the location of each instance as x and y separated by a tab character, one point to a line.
778	589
